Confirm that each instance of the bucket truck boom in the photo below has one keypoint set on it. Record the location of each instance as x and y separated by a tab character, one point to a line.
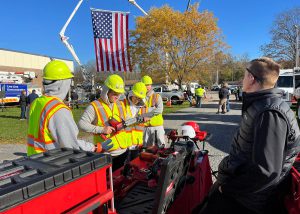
87	76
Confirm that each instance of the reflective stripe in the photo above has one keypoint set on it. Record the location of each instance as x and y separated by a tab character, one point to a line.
121	110
44	115
101	111
40	145
139	128
40	140
154	100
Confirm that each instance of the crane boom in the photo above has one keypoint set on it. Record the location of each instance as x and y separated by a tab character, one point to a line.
87	76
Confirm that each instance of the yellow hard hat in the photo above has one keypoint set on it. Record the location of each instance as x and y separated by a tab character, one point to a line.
57	70
147	80
139	89
115	83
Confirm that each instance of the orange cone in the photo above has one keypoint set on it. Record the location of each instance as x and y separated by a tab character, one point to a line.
169	103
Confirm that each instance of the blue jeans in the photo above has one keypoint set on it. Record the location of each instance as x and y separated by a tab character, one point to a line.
23	111
190	99
227	105
198	102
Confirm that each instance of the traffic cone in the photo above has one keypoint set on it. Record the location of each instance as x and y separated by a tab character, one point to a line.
169	103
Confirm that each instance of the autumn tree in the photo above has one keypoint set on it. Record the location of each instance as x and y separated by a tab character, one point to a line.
173	45
282	47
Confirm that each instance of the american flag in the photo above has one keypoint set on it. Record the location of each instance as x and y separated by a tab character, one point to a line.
111	40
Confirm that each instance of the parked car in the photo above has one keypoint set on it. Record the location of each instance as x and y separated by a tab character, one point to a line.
215	88
176	96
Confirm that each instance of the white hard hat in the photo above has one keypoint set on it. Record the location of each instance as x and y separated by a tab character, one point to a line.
186	131
297	93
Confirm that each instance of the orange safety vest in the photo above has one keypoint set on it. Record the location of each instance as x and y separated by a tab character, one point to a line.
39	136
104	113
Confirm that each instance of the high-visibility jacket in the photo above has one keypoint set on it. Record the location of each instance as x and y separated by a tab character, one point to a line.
104	113
156	120
134	134
39	136
199	92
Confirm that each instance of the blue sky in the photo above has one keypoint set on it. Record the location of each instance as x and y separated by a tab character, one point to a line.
32	26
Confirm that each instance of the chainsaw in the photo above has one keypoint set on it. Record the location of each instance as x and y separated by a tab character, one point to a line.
119	125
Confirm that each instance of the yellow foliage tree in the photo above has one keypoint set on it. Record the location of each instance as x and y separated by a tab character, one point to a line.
173	45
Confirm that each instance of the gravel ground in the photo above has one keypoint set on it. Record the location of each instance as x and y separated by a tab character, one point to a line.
222	127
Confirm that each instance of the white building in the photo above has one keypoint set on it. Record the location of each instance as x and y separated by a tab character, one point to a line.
19	65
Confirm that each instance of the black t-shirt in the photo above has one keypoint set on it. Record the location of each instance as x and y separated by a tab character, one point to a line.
223	93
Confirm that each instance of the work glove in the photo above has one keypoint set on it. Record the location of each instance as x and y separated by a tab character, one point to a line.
104	146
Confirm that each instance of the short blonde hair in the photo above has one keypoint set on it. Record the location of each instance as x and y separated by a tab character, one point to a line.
265	70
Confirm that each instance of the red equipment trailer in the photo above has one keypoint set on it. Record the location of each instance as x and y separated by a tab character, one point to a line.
57	181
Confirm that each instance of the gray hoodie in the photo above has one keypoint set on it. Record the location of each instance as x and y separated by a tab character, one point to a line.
62	125
88	120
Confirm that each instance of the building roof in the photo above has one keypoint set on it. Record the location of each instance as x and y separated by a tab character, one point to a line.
4	49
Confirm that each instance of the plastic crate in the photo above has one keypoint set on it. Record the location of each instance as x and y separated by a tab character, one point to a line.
144	199
57	181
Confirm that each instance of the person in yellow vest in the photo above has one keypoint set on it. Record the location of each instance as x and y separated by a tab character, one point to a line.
96	116
200	93
51	124
154	131
134	104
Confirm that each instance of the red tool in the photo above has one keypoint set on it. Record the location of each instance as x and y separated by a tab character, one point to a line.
146	156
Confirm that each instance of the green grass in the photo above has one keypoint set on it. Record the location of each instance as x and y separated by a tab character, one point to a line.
14	130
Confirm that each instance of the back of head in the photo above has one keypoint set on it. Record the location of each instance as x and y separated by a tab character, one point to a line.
147	80
57	79
265	71
57	70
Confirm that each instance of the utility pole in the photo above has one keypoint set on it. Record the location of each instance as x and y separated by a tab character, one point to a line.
297	54
188	5
297	46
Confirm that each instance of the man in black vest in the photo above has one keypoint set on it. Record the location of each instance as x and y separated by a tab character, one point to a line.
263	149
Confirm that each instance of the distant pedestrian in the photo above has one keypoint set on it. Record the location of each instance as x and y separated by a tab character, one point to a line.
228	98
31	97
74	99
189	96
200	93
236	93
223	93
23	104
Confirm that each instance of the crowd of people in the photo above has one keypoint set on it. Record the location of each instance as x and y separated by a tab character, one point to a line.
51	124
25	102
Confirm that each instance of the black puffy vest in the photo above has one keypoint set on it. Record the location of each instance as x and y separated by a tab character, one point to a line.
242	145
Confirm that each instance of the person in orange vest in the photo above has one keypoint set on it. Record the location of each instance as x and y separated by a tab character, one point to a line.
134	105
51	124
96	119
154	131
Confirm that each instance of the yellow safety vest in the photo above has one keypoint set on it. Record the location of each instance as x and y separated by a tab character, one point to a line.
199	92
156	120
39	136
134	134
104	113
